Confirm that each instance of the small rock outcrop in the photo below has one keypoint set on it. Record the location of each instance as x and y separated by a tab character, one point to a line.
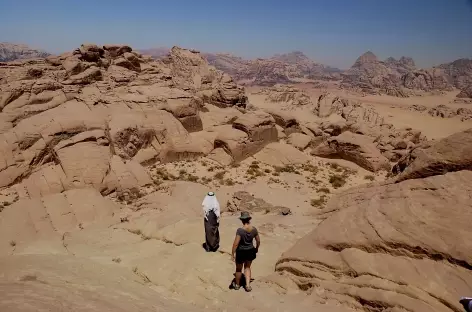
357	148
453	153
243	201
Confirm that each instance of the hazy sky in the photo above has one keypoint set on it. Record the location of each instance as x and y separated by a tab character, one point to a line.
333	32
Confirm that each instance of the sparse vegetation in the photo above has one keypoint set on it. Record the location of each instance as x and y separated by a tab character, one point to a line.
220	175
206	180
117	260
324	190
145	237
267	170
192	178
6	204
287	168
229	182
337	180
319	202
12	243
310	168
369	177
254	172
204	163
235	165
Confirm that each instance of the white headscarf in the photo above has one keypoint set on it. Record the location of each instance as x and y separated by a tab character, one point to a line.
211	203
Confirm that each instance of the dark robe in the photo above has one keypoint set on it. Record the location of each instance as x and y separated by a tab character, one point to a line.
212	234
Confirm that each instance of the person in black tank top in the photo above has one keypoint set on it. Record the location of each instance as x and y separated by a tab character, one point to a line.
244	252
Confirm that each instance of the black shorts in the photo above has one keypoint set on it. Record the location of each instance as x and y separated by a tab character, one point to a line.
245	255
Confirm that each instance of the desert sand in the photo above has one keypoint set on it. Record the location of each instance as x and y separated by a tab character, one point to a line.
362	203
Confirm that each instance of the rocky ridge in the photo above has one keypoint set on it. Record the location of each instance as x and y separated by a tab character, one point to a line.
279	69
12	52
393	77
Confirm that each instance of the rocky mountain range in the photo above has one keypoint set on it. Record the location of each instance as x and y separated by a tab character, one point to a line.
11	52
393	77
106	154
368	74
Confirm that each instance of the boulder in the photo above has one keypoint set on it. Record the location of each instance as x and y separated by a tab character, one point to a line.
400	247
353	147
115	50
280	154
86	77
243	201
299	140
452	153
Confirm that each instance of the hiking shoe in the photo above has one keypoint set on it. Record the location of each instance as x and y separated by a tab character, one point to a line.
248	288
466	303
236	286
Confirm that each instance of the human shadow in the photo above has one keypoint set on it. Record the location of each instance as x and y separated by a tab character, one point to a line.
242	282
208	249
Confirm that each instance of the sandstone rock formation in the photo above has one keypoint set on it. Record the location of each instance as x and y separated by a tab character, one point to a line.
404	246
444	111
279	69
11	52
396	78
287	95
360	119
459	73
466	92
357	148
453	153
243	201
90	118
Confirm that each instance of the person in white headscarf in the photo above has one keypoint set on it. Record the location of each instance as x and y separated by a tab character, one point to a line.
211	221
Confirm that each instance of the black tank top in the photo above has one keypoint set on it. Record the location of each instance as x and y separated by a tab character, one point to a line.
246	242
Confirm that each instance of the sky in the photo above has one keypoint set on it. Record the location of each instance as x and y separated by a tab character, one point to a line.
333	32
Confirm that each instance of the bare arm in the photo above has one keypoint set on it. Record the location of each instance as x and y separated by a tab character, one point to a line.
237	239
258	241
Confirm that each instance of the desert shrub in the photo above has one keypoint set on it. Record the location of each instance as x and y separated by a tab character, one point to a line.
117	260
324	190
310	168
229	182
220	175
192	178
337	180
267	170
12	243
369	177
319	202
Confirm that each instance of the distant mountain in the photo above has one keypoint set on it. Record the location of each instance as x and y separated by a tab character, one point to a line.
281	68
155	52
459	72
11	52
393	77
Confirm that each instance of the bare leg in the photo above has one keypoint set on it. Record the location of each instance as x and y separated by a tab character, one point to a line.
239	269
247	273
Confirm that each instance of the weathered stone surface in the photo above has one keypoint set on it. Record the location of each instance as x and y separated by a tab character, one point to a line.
299	140
243	201
357	148
404	246
452	153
